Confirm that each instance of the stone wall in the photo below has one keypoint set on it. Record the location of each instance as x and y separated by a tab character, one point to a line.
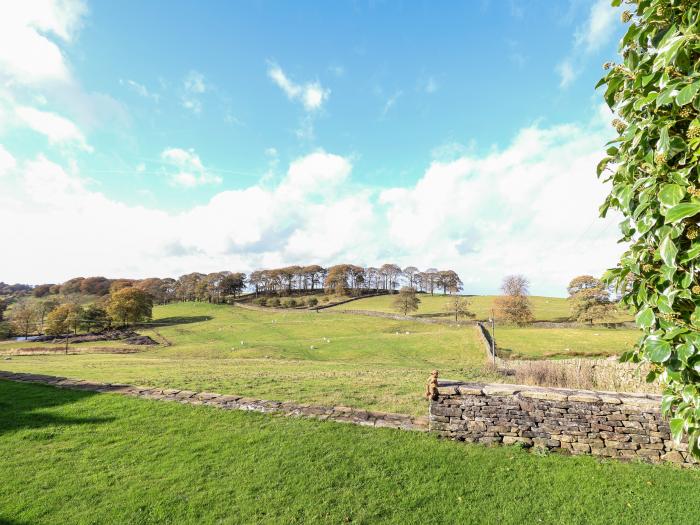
626	426
231	402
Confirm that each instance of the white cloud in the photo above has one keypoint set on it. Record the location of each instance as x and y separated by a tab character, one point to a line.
189	170
590	37
27	53
7	161
311	94
567	75
194	82
530	208
139	89
599	26
194	85
59	130
391	102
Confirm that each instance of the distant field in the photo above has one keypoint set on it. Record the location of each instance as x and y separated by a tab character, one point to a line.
541	343
544	308
77	457
362	361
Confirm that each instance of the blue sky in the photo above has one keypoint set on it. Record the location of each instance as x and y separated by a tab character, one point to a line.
261	133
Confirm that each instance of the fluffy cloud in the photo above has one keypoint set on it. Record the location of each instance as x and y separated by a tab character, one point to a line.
530	208
7	161
189	170
27	53
59	130
312	95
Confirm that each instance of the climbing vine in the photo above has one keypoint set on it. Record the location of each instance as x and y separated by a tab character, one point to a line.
653	169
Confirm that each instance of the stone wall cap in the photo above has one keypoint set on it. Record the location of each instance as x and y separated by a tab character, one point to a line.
544	394
501	390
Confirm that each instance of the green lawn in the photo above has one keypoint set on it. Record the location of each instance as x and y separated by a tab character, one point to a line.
362	361
540	343
81	458
544	308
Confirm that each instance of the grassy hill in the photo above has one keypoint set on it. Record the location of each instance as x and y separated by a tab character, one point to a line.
544	308
355	360
323	358
110	459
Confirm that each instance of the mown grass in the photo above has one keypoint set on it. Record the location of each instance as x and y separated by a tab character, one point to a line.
544	343
360	361
81	458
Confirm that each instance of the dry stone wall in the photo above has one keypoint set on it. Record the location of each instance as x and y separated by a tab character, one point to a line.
625	426
232	402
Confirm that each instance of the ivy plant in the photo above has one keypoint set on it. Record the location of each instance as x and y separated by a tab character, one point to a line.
653	169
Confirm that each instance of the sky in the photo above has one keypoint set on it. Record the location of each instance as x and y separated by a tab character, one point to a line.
159	138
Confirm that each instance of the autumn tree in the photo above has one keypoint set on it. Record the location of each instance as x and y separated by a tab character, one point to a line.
514	305
23	317
406	301
459	307
130	305
589	299
64	318
43	309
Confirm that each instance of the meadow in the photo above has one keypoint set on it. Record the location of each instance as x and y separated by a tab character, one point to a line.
555	343
324	358
109	459
555	309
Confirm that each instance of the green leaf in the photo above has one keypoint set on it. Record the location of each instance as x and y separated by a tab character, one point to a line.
681	211
668	251
646	318
671	194
657	350
687	94
685	351
676	424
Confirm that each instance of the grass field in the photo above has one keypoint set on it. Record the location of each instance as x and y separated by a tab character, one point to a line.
542	343
355	360
81	458
544	308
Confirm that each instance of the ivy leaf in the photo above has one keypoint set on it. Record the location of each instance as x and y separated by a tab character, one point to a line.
668	251
657	350
687	94
676	424
671	194
681	211
646	318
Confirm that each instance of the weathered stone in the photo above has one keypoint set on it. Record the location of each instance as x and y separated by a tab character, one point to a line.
544	394
500	390
673	457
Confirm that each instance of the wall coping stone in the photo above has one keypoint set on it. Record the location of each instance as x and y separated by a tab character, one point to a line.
638	400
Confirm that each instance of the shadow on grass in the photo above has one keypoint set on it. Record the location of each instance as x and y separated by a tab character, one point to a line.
24	406
170	321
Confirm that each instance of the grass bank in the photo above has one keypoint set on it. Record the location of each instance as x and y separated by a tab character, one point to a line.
75	457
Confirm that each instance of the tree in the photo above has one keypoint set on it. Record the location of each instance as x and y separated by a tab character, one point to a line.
652	168
43	309
431	279
514	306
410	272
390	273
589	299
95	318
23	317
406	301
130	305
459	306
337	279
66	317
449	281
